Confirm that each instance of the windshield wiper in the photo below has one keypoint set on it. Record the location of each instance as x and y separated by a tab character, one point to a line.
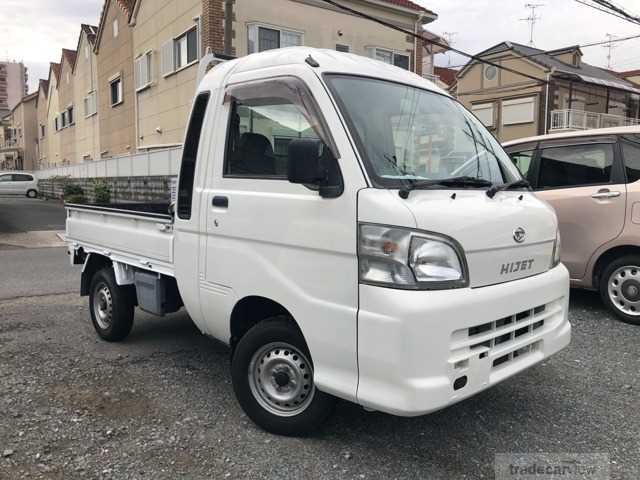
464	181
507	186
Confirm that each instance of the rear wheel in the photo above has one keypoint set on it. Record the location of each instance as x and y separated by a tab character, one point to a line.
32	193
620	288
111	306
273	379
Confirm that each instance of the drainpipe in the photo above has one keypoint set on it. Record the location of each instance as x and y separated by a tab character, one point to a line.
228	27
546	104
415	43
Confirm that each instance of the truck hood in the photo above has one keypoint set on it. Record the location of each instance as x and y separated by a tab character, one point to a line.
484	227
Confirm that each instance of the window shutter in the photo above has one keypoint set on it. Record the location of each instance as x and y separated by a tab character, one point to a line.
167	58
138	72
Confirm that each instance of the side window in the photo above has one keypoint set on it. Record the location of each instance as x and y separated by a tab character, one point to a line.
22	178
576	165
189	156
522	160
259	135
631	154
6	178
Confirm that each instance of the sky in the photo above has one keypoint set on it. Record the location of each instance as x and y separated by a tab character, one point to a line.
480	24
35	31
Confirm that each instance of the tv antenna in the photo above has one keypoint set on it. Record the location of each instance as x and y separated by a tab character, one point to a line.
609	46
532	19
448	36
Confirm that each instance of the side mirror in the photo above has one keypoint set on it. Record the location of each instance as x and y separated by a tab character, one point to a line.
312	164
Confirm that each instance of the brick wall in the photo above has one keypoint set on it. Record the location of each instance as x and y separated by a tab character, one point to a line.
123	189
213	25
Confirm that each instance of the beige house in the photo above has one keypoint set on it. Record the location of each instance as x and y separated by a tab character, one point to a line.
43	125
53	117
21	151
116	99
66	109
561	92
85	91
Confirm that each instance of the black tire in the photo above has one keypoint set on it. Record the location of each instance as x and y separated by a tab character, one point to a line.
318	406
32	193
629	288
111	306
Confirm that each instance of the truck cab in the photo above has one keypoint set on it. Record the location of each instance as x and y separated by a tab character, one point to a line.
351	231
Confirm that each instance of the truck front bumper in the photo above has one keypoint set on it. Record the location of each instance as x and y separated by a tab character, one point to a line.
419	351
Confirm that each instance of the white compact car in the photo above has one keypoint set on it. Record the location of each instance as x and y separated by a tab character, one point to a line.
18	183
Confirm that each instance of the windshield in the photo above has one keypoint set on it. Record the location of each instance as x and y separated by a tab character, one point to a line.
406	134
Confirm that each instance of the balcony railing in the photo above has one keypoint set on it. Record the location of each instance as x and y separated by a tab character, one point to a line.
570	119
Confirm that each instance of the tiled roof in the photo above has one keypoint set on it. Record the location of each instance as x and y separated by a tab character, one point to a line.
44	85
56	70
410	5
629	73
70	55
447	75
90	31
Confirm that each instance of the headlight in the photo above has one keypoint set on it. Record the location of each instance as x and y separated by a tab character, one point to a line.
556	251
404	258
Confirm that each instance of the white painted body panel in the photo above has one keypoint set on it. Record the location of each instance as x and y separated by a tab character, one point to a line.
385	348
20	187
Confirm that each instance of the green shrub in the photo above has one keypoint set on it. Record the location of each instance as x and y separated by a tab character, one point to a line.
70	189
75	198
101	191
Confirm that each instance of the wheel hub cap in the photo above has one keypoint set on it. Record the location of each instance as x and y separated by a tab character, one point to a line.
103	306
281	379
624	289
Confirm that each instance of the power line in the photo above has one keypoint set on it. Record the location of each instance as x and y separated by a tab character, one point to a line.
585	45
611	9
539	81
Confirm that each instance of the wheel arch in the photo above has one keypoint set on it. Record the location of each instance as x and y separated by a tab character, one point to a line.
251	310
608	256
93	263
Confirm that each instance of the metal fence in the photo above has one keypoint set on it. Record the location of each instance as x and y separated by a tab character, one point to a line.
582	120
164	162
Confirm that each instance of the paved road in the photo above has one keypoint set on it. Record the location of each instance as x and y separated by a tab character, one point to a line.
21	214
160	405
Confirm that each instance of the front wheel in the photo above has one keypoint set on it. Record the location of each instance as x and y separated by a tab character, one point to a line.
32	193
111	306
273	379
620	288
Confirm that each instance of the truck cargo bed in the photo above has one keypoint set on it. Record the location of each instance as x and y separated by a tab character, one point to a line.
136	234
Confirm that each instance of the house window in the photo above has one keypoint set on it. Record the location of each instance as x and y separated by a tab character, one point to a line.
143	71
42	131
90	104
115	89
63	116
519	110
115	28
484	112
70	115
56	123
268	38
179	52
343	48
389	56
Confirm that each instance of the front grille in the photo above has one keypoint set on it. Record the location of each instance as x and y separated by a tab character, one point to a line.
505	339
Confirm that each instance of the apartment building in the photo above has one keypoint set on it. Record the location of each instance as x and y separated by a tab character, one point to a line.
116	99
20	146
85	96
13	85
560	93
66	125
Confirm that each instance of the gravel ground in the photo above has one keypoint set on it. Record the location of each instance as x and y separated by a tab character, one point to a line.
161	406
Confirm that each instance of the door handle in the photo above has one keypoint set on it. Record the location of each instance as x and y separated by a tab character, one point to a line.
605	193
220	202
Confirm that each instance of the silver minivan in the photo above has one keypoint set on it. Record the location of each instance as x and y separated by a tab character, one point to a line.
18	183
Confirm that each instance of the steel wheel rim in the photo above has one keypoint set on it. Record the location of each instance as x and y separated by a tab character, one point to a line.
103	306
281	379
624	290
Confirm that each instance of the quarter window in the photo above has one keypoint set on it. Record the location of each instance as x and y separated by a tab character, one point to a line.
631	154
576	165
522	160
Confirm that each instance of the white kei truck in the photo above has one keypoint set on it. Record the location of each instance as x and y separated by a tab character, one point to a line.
348	229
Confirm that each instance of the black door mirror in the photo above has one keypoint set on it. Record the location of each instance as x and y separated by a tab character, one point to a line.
312	164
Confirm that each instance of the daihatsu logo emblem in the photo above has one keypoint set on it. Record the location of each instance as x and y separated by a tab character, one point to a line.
519	235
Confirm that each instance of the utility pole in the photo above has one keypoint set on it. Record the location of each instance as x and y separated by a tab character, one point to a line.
532	19
609	46
448	36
